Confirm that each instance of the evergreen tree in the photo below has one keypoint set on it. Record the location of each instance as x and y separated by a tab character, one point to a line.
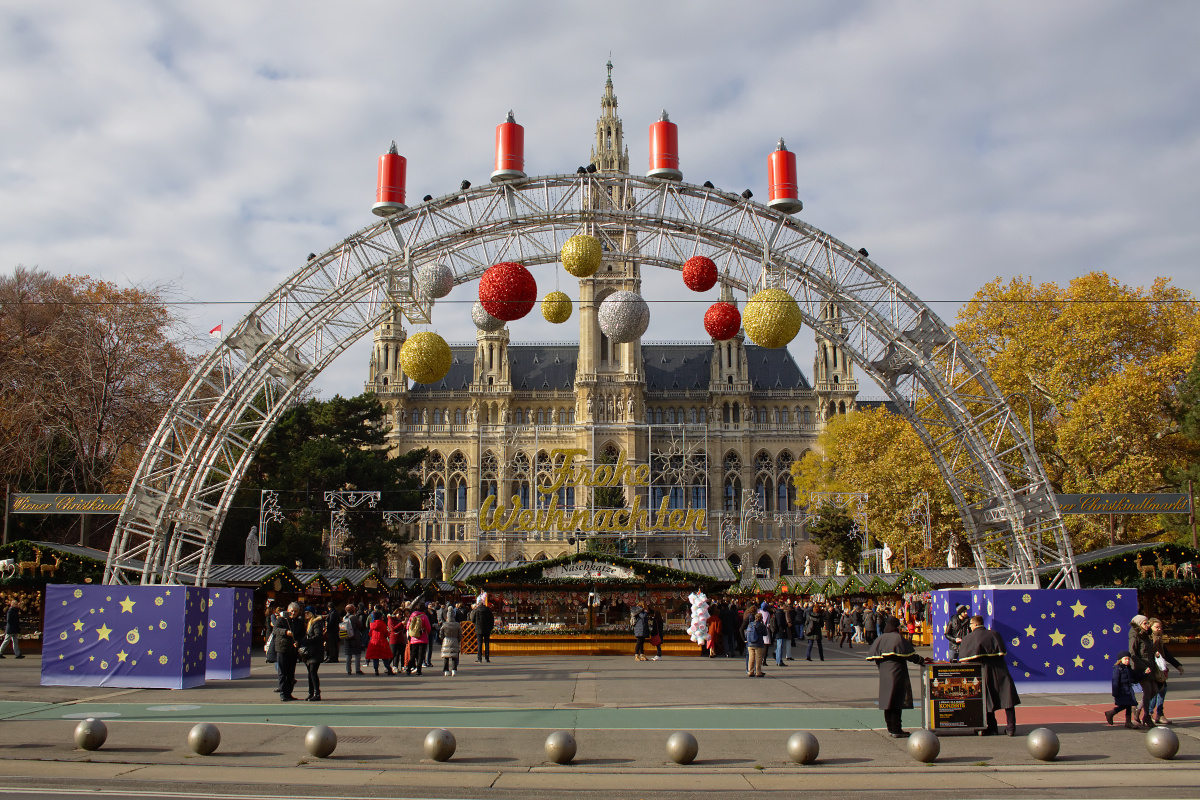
832	536
1187	427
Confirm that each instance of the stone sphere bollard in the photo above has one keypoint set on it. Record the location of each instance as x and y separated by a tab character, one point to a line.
924	746
1162	742
440	744
320	741
803	747
1042	744
682	747
204	738
90	734
561	747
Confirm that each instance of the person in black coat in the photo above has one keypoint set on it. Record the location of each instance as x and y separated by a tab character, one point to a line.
333	624
12	629
956	629
1141	654
289	633
987	648
813	624
314	650
1123	680
891	652
781	636
484	621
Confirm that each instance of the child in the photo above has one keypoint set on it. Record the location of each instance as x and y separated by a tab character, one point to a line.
1122	690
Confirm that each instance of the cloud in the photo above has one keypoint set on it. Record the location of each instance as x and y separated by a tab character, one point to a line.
218	143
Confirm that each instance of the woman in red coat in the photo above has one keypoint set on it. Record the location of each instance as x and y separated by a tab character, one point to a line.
397	634
378	649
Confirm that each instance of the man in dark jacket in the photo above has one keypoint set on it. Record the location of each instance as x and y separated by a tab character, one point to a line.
484	621
12	629
289	633
956	629
891	652
987	648
332	633
781	636
868	623
813	624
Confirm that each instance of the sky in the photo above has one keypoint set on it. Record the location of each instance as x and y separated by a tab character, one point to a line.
212	145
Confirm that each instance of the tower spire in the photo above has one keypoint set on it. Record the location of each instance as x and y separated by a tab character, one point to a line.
609	153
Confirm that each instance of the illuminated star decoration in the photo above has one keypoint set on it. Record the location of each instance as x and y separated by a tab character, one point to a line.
1056	638
1078	661
103	631
1078	608
127	605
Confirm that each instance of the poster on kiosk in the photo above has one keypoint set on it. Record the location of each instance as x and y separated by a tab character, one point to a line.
954	701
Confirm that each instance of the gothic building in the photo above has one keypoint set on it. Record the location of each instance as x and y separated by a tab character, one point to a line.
715	421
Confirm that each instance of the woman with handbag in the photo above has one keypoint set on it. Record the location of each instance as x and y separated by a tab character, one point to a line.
1163	661
377	646
312	651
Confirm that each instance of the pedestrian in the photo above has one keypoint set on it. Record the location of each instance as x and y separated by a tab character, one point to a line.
351	636
858	625
656	633
378	648
396	638
418	640
758	636
288	632
791	628
846	629
956	629
716	630
891	652
451	643
1163	660
868	623
272	654
312	652
781	635
812	632
484	621
1141	654
987	648
12	629
430	611
1123	680
730	619
333	626
641	631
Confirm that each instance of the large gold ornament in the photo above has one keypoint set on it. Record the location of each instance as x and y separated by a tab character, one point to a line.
580	255
556	307
771	318
425	357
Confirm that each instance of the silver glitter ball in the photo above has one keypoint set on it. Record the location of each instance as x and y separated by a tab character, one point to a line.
483	320
624	316
435	280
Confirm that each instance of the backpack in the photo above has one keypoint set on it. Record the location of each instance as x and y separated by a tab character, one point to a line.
756	633
414	625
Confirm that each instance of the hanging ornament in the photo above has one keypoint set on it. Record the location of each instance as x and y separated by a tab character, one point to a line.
623	316
507	291
580	255
425	357
435	280
699	273
722	320
556	307
483	320
772	318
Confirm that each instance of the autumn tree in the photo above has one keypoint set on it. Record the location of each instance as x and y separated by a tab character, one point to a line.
1187	427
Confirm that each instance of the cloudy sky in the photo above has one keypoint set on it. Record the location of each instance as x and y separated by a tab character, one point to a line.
214	144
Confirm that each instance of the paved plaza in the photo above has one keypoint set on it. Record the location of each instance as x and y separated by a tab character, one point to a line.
620	711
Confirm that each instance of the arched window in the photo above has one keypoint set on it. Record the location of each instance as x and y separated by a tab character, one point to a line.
737	413
733	493
458	416
807	415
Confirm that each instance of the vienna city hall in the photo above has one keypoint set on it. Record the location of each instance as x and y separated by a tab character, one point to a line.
532	447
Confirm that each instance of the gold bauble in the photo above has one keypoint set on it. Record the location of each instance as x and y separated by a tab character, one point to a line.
771	318
425	357
556	307
580	255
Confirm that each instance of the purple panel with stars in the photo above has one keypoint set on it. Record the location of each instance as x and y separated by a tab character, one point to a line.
1059	640
944	603
149	637
229	612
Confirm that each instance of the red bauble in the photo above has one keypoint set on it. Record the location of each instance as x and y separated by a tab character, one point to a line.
699	273
507	291
722	321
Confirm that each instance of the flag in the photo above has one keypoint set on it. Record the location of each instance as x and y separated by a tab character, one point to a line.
216	332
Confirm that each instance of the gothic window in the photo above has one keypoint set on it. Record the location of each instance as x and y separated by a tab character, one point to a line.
700	493
458	462
762	462
842	408
807	415
786	501
783	416
762	488
458	416
439	493
416	417
765	562
733	462
570	416
733	493
725	417
737	413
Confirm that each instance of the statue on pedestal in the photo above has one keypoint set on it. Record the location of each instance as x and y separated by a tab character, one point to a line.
807	566
886	558
252	557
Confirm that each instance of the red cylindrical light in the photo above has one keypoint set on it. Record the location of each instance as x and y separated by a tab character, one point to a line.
510	151
389	193
664	150
781	177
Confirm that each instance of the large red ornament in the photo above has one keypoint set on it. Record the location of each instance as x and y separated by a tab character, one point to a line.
507	291
699	273
722	321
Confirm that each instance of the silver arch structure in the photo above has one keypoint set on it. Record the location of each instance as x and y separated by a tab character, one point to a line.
177	502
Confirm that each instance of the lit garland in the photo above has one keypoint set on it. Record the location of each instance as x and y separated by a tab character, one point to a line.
699	273
556	307
581	255
772	318
425	357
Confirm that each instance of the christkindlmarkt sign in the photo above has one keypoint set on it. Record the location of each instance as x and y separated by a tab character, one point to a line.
66	503
588	570
549	517
1123	503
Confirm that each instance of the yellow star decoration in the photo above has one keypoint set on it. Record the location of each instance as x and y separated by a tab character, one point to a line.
121	656
127	605
103	631
1056	638
91	658
1078	608
1030	631
1078	661
78	624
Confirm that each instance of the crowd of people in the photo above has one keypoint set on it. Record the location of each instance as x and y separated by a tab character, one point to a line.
399	638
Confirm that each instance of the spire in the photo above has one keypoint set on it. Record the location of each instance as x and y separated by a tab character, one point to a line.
609	153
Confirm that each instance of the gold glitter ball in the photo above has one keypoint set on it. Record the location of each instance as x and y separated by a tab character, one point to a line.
556	307
580	255
425	357
771	318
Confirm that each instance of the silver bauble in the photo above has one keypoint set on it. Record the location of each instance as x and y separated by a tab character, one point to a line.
483	320
623	316
435	280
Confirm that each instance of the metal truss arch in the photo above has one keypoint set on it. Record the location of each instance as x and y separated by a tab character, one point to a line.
178	499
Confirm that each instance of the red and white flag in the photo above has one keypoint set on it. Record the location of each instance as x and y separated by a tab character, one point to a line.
216	332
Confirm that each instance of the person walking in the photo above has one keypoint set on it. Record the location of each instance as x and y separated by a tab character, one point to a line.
397	634
484	621
288	632
1163	661
868	625
846	629
641	630
12	629
333	626
1123	681
1141	653
812	632
451	643
987	648
378	649
891	652
351	634
758	635
313	651
656	633
781	635
418	640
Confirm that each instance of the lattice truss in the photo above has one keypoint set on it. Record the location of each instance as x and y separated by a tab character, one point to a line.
186	480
